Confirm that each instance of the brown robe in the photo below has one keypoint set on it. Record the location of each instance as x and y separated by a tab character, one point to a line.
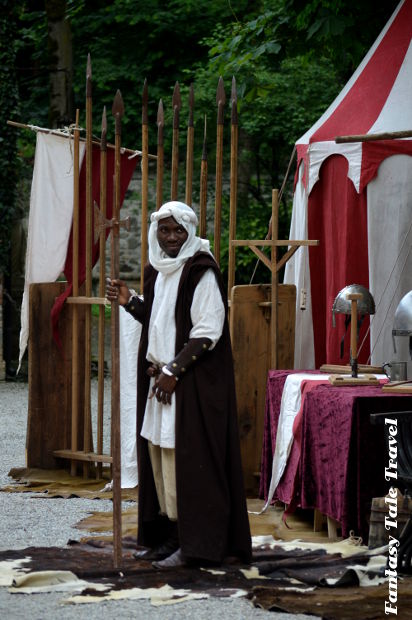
212	514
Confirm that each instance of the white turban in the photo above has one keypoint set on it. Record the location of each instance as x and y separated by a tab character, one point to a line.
186	217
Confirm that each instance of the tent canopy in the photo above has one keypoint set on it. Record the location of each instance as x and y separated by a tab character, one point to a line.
356	198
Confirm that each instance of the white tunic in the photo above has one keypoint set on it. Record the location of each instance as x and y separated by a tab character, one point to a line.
207	314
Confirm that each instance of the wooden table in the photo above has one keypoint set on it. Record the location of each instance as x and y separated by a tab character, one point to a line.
339	466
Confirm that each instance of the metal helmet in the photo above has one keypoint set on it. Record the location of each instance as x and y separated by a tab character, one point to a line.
343	305
402	322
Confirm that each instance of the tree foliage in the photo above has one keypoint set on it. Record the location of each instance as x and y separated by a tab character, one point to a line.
290	59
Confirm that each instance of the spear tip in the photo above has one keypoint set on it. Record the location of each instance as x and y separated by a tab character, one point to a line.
220	93
176	100
89	76
160	113
104	121
118	106
145	103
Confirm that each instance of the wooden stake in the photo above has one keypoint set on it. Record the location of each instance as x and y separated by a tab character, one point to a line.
233	187
176	103
354	298
75	315
102	288
145	182
274	280
220	102
118	111
189	149
87	444
160	156
203	189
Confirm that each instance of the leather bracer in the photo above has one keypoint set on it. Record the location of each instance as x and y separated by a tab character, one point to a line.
195	348
135	307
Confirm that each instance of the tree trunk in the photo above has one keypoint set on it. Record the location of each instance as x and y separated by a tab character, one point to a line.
61	110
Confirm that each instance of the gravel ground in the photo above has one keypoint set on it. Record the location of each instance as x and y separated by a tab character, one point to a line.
27	521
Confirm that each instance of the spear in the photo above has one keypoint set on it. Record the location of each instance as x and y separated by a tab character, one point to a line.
102	277
220	102
117	111
233	186
145	180
203	188
88	288
75	324
176	104
160	156
189	148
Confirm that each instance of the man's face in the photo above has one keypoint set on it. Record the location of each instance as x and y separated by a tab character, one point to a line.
171	236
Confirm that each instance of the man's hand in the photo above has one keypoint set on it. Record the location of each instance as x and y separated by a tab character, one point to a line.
117	290
164	387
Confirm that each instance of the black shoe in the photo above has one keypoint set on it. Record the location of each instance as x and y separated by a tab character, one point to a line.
158	553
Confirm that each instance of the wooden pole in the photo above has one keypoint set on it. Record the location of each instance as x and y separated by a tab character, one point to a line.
370	137
189	148
145	181
354	298
274	281
233	187
203	189
88	285
160	156
176	103
102	286
75	315
220	102
118	111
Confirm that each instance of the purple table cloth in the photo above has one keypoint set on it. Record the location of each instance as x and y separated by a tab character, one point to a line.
340	466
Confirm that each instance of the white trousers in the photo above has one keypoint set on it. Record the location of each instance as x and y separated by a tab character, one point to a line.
164	473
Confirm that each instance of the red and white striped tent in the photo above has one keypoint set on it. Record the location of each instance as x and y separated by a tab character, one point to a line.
356	198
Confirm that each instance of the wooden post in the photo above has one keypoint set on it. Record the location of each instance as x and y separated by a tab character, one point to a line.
189	149
160	156
176	103
75	319
274	281
145	181
102	288
203	189
233	187
88	288
117	111
354	298
220	102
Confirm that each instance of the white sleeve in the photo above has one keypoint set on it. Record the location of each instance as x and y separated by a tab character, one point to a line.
207	311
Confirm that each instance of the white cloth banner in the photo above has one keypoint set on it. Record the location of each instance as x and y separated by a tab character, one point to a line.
130	331
50	217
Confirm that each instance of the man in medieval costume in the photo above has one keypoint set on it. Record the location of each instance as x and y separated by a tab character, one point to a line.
191	505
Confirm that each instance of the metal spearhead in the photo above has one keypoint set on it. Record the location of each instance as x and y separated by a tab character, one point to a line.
160	123
220	100
89	76
103	139
176	104
118	111
233	98
204	150
145	104
191	105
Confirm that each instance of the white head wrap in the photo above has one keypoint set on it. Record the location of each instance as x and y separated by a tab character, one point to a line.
186	217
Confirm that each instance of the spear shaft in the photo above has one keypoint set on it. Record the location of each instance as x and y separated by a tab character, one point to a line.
102	277
145	181
88	286
176	103
118	111
233	187
203	188
220	101
160	156
189	148
75	315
